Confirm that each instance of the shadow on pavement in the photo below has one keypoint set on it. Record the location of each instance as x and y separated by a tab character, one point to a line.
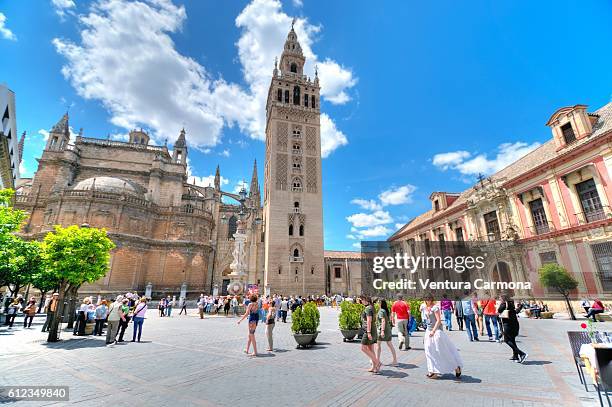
393	374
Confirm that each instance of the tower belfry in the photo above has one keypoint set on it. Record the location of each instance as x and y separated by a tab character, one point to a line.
293	213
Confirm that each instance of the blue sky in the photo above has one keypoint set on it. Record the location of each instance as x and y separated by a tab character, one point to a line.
417	97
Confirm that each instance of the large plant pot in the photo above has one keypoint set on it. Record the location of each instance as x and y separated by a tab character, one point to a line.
349	334
360	333
304	340
314	338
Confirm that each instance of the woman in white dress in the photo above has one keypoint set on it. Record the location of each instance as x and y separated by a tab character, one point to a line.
442	355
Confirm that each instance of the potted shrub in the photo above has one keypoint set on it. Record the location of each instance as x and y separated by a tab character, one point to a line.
349	320
305	321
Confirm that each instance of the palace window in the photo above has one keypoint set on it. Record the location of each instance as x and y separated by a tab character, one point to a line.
492	225
313	104
305	100
337	272
602	252
589	200
286	96
279	95
539	216
459	234
548	257
436	205
441	237
568	133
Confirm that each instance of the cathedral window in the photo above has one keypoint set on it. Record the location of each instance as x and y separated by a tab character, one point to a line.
279	95
296	253
301	230
296	95
290	230
296	148
232	227
293	68
305	100
286	96
297	185
313	104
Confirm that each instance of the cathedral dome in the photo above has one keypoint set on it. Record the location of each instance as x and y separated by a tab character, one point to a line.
108	184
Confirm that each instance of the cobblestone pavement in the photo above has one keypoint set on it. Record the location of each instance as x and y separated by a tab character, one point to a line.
187	361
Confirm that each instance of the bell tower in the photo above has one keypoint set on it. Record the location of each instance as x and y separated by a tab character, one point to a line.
293	206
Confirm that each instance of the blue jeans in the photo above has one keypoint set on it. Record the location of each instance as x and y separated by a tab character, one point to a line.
495	325
138	321
447	319
470	326
168	311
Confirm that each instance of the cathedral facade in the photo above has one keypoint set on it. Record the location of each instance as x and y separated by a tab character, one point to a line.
173	236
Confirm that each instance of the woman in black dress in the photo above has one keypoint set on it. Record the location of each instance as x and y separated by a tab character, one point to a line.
507	313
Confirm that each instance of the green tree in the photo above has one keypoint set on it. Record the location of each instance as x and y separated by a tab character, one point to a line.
73	256
558	278
10	222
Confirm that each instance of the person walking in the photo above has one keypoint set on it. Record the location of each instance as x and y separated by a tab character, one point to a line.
50	311
384	326
115	315
252	312
479	314
11	312
469	316
369	338
507	312
400	315
226	306
123	324
162	307
447	308
284	308
139	316
270	320
458	313
29	312
101	312
441	354
183	305
234	305
490	317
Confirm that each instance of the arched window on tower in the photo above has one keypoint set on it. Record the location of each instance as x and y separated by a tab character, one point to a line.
305	99
296	252
313	100
279	95
296	95
293	68
232	226
286	96
301	230
290	230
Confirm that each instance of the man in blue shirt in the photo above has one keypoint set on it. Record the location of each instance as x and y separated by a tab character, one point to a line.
470	309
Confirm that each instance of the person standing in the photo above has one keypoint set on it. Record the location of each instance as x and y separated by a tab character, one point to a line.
458	313
270	320
252	311
384	324
115	315
234	305
469	316
284	308
139	316
369	338
400	315
479	314
11	312
29	312
507	312
123	324
101	311
183	304
447	308
169	305
50	311
441	354
490	316
162	307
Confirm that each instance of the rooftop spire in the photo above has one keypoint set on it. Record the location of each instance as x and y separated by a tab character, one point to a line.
218	179
181	142
254	181
62	126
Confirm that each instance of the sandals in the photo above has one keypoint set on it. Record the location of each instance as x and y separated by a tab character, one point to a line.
433	376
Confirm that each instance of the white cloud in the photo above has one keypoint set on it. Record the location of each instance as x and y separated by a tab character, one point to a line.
298	3
360	220
225	153
44	133
207	181
399	225
356	245
63	6
331	137
368	204
351	237
371	232
468	164
4	31
138	75
397	195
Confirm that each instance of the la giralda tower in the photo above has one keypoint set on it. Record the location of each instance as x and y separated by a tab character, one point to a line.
293	206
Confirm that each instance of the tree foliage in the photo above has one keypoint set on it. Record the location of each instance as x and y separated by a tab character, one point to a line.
556	277
10	245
